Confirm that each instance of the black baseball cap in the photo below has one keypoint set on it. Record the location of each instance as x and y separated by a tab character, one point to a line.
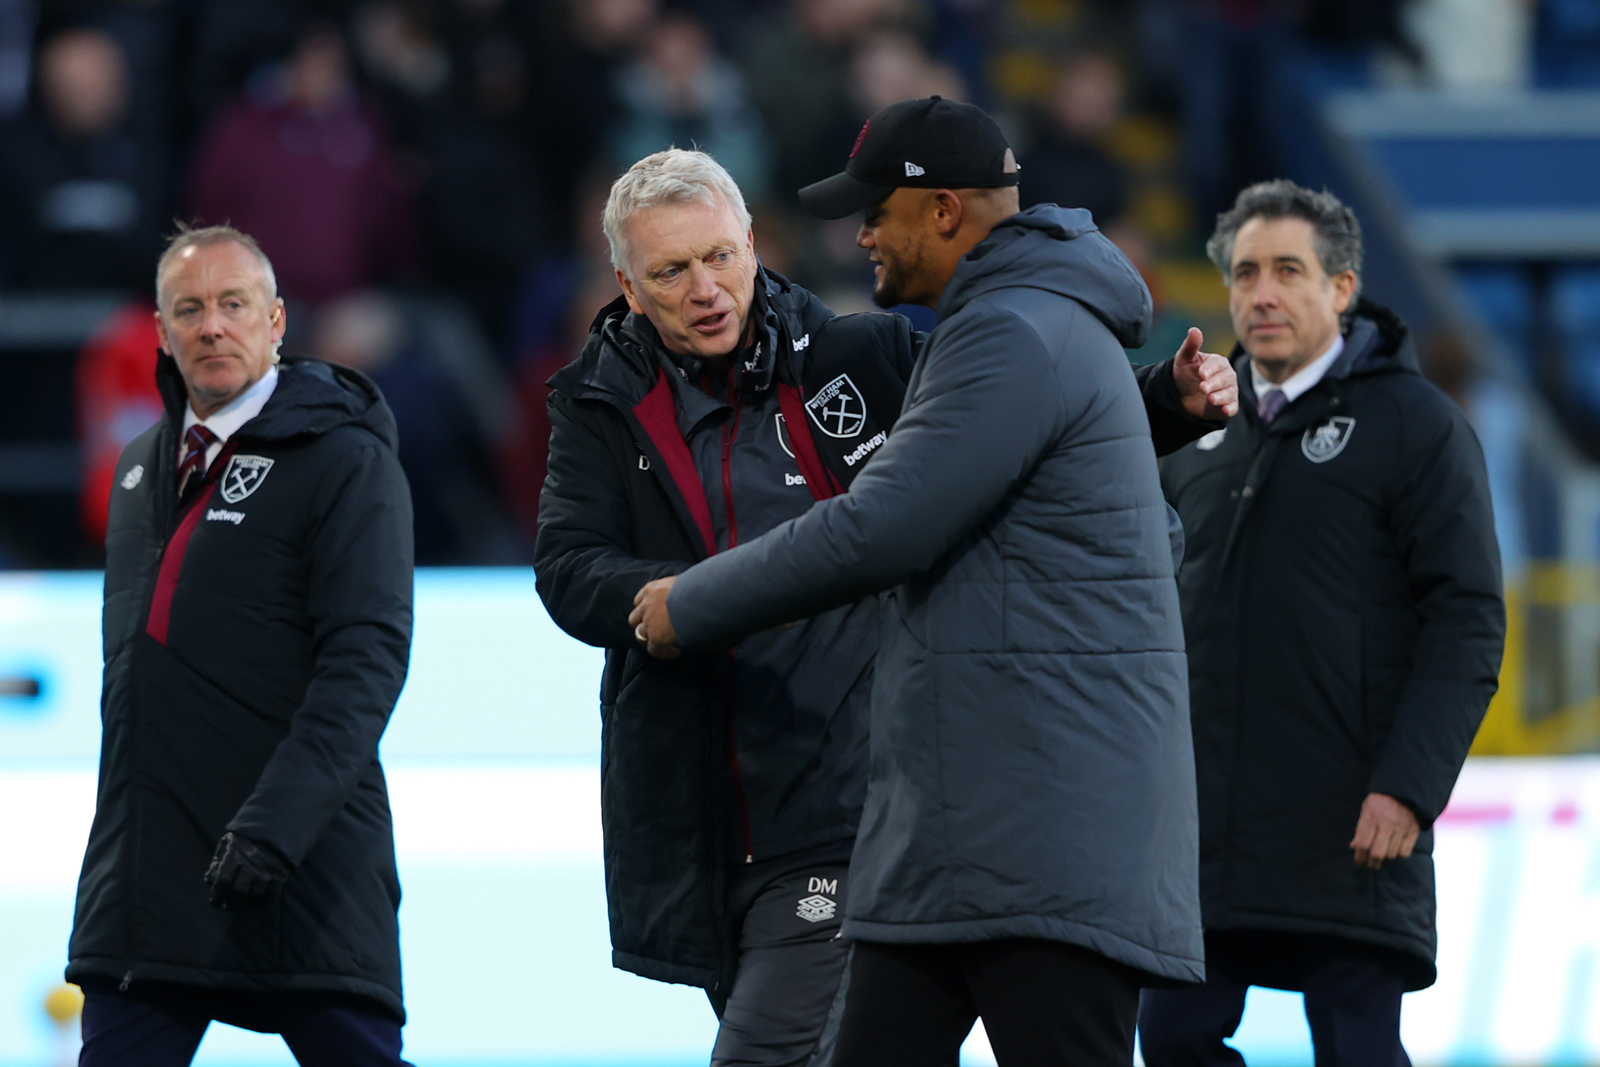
925	144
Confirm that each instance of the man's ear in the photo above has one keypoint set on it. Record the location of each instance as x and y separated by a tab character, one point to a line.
280	320
1344	290
161	334
628	293
947	211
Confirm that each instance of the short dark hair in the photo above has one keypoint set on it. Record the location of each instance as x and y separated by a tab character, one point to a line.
1335	230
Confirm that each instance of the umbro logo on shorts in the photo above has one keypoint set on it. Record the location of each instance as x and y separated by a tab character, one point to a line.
816	908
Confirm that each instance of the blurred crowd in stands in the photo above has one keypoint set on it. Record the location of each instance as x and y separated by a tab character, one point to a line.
427	176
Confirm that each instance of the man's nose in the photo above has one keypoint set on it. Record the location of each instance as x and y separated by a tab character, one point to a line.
1266	293
864	237
211	322
702	287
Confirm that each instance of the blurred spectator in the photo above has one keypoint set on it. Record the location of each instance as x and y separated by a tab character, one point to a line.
1067	163
117	400
443	448
16	40
558	299
1474	44
680	92
460	73
1232	95
798	72
890	66
81	199
579	46
148	33
306	167
232	39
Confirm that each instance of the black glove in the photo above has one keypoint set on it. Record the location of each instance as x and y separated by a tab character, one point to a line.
245	873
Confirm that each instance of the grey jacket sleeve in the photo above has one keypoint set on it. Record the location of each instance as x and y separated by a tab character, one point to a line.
981	410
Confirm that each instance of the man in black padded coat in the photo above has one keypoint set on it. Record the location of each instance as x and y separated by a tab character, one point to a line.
713	402
1341	600
257	627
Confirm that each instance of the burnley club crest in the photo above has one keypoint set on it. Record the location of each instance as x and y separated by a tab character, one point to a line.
1321	443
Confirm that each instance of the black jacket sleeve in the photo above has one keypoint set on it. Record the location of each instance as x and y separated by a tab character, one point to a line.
1171	427
583	558
358	581
1444	530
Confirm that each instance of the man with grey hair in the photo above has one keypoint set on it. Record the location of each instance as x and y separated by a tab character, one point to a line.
713	401
257	627
1342	606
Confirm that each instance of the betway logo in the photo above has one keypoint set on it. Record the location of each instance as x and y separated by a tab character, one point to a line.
218	515
865	448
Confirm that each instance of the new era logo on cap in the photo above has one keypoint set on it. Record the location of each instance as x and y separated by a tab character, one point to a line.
955	145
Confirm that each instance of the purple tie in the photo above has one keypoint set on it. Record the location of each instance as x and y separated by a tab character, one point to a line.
195	443
1272	405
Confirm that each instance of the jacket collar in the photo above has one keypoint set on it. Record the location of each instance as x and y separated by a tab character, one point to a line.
311	398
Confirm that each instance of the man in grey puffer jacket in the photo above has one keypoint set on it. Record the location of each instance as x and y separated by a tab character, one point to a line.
1028	849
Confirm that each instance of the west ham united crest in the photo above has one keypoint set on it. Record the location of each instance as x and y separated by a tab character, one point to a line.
244	476
838	409
1321	443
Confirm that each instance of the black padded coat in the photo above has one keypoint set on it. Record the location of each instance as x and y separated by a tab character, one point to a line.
1341	595
254	648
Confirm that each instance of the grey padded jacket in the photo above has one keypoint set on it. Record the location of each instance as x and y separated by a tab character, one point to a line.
1031	765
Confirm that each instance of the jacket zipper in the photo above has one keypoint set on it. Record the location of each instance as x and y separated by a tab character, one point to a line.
730	674
729	435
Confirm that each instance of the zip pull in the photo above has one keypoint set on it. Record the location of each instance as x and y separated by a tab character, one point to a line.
127	980
748	858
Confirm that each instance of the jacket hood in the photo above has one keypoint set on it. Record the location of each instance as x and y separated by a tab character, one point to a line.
1059	250
1378	342
623	352
312	398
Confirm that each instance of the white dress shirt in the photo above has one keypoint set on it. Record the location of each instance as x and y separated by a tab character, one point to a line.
226	420
1297	384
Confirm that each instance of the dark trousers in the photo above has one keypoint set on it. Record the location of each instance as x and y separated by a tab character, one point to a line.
162	1026
781	1009
1043	1003
1352	1005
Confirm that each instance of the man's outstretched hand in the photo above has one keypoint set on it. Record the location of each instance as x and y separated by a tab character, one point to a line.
652	626
245	873
1206	382
1387	830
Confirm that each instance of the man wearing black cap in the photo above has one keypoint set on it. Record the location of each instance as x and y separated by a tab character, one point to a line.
1027	852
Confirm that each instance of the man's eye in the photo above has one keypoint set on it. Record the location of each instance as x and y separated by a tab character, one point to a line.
667	275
